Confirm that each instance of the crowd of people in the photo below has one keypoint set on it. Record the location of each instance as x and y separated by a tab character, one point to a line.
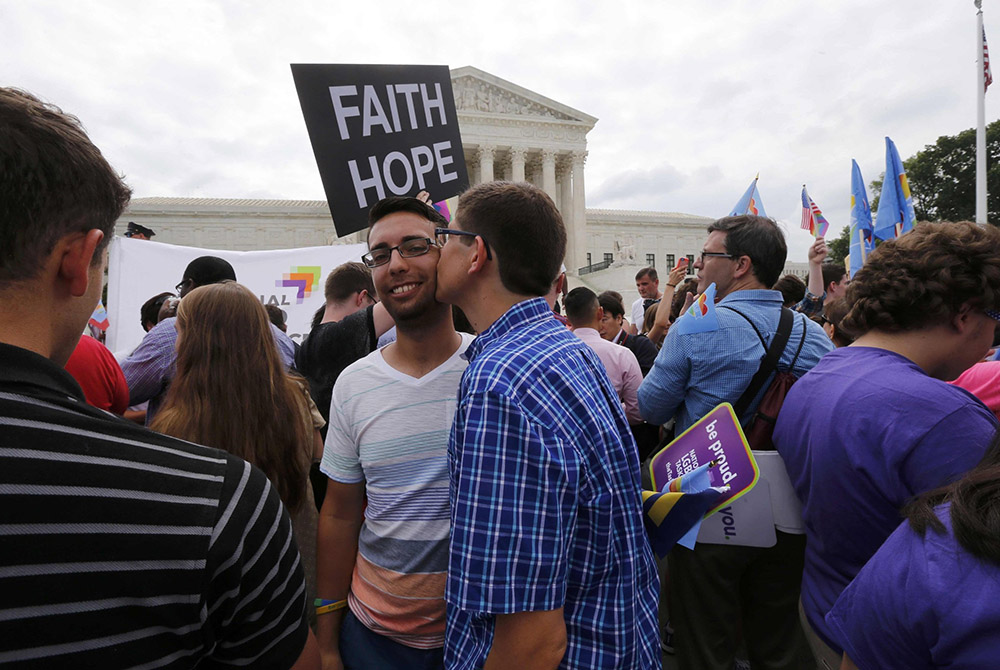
447	471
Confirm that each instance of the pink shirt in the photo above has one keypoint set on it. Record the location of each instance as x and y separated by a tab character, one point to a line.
622	368
983	381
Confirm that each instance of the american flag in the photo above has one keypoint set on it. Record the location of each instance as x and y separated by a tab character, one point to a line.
987	75
812	218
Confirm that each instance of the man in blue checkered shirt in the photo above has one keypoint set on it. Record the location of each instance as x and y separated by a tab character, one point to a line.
549	564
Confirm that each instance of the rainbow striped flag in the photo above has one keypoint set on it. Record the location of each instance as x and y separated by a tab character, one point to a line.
813	219
674	515
447	208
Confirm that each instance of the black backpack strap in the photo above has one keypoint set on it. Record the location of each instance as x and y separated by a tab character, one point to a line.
769	362
802	340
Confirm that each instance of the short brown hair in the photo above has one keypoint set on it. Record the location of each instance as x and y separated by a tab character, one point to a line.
757	237
523	228
53	182
924	277
347	279
647	272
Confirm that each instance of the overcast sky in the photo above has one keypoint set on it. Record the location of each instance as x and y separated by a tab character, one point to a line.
693	98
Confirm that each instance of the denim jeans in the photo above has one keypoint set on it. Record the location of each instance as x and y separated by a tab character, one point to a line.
362	649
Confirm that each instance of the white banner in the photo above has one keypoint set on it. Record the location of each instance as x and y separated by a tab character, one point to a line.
292	279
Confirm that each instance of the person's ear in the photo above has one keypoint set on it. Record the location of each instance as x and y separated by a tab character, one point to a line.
744	266
479	259
600	314
76	260
962	319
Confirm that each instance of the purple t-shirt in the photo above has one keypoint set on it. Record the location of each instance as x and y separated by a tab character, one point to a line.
862	433
921	602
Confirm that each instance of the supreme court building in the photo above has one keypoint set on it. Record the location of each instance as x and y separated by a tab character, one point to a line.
508	132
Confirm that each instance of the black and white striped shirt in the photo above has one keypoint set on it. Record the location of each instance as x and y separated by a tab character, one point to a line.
124	548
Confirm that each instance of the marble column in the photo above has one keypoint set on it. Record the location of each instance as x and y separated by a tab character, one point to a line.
565	174
517	155
549	172
576	243
485	156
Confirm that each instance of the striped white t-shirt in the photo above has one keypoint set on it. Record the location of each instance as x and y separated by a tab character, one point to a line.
390	431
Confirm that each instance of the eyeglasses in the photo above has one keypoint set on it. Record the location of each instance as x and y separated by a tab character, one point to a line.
184	282
418	246
714	254
441	234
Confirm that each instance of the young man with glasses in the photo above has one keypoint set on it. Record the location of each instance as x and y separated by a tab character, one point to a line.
875	424
384	525
150	368
549	563
713	587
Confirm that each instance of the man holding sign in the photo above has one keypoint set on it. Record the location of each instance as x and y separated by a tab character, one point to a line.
694	372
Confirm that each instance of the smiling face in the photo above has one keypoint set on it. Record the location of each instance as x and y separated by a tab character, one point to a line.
406	286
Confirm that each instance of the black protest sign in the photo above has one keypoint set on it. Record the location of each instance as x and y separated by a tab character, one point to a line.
381	130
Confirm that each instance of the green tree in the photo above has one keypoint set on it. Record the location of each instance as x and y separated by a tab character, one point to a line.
840	247
942	178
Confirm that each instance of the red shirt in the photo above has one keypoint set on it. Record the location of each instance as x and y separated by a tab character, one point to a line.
97	372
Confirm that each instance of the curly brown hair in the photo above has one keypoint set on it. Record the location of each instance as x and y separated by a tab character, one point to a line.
924	277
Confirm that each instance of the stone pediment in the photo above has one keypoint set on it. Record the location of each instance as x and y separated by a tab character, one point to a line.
481	92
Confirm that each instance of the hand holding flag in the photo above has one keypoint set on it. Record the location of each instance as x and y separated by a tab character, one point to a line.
674	515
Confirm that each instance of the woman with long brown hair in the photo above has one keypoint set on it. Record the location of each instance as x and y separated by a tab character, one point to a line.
231	392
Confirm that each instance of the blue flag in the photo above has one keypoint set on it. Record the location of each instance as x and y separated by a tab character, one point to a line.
895	206
750	202
862	239
700	316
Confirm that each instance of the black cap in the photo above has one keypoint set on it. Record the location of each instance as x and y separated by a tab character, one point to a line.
135	229
208	270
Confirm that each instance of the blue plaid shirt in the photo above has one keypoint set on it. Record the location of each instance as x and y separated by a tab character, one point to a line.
546	509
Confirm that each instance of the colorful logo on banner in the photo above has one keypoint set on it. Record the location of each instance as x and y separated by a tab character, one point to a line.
302	279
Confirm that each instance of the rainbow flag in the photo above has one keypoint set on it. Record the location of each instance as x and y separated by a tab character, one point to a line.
99	319
447	208
701	316
750	202
813	219
674	515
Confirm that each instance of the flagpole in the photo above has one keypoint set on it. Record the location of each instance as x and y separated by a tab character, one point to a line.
981	120
861	245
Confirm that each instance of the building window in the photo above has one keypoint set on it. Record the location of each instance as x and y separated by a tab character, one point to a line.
609	258
590	259
670	261
651	260
690	258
